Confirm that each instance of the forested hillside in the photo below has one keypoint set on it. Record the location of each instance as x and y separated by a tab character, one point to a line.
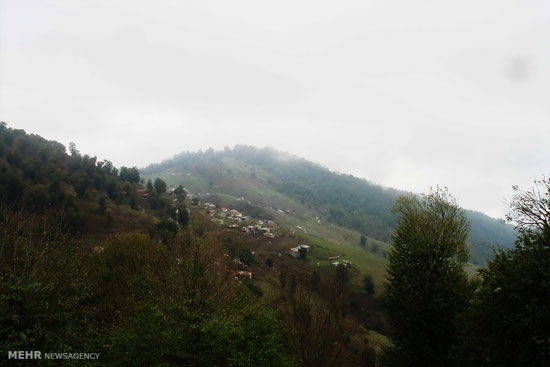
341	199
144	272
96	259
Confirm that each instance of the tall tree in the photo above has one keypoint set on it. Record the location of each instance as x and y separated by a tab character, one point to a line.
427	288
160	186
508	323
129	174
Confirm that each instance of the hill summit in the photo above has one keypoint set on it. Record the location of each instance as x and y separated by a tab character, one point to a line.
269	182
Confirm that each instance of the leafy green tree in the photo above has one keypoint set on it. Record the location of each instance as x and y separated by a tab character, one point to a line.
183	216
508	323
269	262
73	150
368	284
246	256
180	193
129	174
427	288
160	186
149	186
167	230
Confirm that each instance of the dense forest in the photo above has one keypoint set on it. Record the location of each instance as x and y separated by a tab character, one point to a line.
343	199
97	259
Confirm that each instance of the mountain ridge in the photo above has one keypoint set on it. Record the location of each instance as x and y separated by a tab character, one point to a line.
266	174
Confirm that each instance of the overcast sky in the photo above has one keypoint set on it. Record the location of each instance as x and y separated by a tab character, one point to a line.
405	93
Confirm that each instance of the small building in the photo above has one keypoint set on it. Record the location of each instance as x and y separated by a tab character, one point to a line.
305	247
269	235
244	274
295	251
235	213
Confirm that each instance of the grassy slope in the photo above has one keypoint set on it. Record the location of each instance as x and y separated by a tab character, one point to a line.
364	261
327	237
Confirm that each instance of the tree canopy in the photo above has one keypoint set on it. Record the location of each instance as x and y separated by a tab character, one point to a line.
426	287
508	322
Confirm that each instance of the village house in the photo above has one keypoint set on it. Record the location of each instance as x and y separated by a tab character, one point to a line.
235	213
295	251
344	263
244	275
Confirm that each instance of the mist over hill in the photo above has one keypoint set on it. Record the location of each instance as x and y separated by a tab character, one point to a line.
270	178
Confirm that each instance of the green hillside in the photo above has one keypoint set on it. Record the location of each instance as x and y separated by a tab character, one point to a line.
98	258
335	206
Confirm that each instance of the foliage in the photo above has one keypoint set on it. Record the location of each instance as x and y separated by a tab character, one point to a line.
183	216
368	284
129	174
531	208
134	301
160	186
38	175
258	292
167	230
508	321
43	298
246	256
427	288
314	330
363	241
149	186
